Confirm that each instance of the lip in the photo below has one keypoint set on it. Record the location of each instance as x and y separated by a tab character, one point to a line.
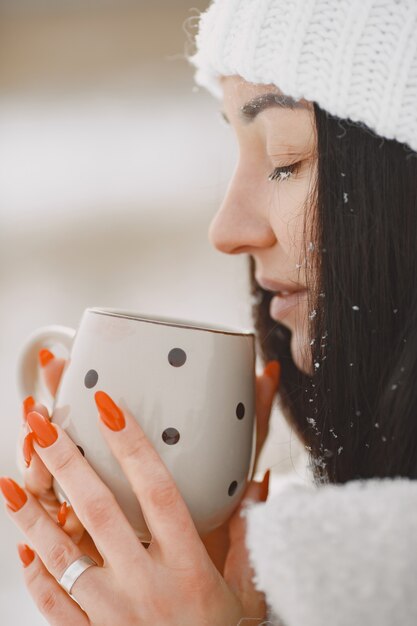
274	285
281	306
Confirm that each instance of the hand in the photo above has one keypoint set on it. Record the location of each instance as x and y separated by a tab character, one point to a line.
36	476
38	480
220	541
238	572
173	582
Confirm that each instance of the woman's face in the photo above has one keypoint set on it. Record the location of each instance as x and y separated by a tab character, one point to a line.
264	210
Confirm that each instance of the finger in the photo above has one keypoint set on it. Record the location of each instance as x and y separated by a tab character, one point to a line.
255	492
38	480
52	368
36	476
165	511
92	501
27	406
266	387
238	571
69	522
53	602
53	546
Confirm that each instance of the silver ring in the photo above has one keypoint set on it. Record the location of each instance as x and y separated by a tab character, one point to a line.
74	571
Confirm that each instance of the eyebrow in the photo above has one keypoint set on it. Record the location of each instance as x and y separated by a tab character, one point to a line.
249	111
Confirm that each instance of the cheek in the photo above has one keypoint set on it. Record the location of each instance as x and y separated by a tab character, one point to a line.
289	216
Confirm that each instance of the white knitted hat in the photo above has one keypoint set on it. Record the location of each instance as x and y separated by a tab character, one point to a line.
356	58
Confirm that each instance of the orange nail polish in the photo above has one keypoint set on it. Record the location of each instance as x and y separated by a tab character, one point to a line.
28	404
62	514
44	432
110	413
45	356
28	448
265	486
13	493
25	553
273	371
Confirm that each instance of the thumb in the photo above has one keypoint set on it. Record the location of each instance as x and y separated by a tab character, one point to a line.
255	492
52	369
238	572
258	492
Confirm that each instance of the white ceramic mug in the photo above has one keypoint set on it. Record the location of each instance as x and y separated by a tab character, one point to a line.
190	386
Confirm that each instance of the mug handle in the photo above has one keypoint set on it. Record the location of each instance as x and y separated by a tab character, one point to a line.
28	369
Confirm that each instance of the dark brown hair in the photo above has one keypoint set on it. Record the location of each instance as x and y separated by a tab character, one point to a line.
357	412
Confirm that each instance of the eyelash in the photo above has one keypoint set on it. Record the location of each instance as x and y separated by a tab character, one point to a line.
287	170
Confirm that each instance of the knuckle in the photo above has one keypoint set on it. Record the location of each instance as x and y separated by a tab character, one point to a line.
133	449
59	557
47	601
32	524
99	510
164	496
65	460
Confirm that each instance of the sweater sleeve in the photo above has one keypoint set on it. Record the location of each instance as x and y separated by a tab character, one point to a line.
337	555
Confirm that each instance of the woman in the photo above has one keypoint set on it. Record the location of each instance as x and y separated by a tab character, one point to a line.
322	97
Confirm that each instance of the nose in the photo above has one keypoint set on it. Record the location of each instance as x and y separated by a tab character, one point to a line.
242	222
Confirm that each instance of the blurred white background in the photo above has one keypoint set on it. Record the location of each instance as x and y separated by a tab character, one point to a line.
111	167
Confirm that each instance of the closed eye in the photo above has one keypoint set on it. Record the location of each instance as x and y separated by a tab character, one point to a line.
284	172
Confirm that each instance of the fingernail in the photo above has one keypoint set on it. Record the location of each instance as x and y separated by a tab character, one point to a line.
265	486
62	514
110	413
273	371
28	448
45	356
13	493
44	432
28	404
26	554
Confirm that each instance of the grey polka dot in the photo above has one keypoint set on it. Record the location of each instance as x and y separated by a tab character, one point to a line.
232	488
170	436
240	411
177	357
91	379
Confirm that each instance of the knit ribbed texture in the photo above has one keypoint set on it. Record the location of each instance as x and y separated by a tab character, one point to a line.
356	58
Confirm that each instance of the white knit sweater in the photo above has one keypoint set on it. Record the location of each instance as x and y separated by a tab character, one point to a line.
337	555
